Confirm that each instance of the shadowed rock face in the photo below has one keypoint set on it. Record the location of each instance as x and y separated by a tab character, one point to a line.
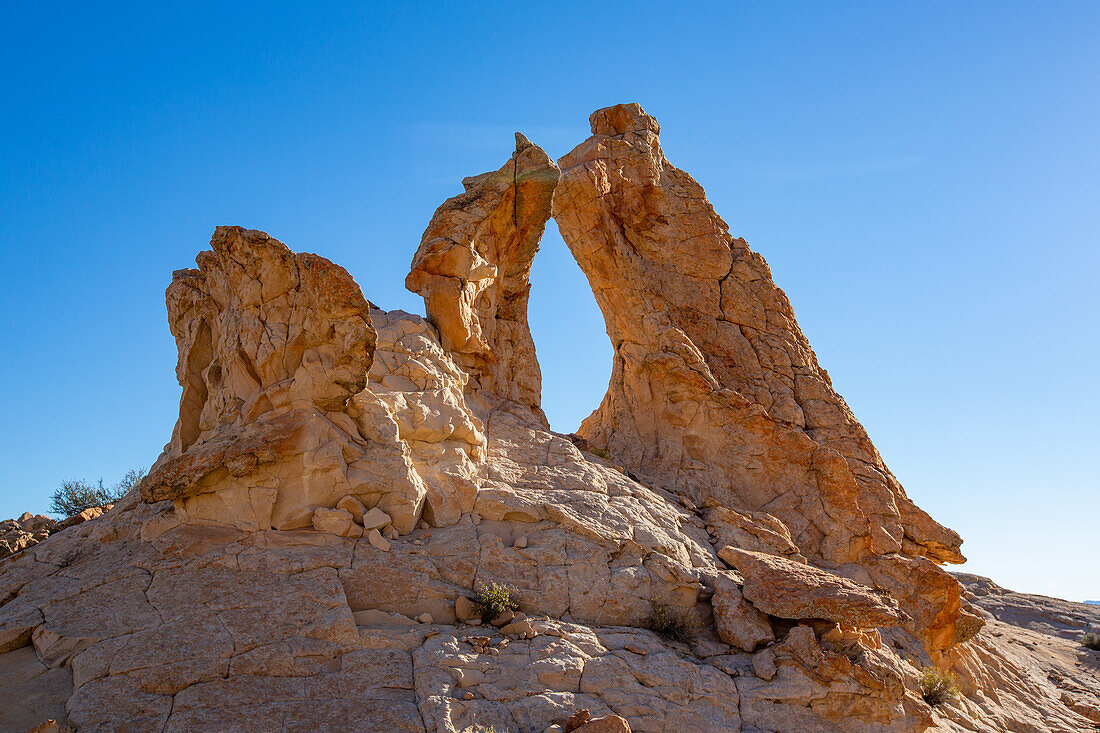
473	267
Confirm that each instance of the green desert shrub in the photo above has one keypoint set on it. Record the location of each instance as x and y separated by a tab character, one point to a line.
493	599
937	686
73	497
1091	640
677	624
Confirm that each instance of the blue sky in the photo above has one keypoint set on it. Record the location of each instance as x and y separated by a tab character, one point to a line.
923	180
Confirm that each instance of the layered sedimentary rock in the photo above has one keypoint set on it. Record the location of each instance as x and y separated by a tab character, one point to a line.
473	267
343	479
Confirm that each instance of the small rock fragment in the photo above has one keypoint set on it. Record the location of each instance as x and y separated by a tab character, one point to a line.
465	610
606	724
504	618
336	521
353	506
375	519
577	719
376	539
763	664
522	628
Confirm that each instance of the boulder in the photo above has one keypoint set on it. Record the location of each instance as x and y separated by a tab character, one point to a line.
336	521
737	622
354	507
793	590
375	519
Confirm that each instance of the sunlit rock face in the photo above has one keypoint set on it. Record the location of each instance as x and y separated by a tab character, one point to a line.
473	268
714	389
274	351
720	549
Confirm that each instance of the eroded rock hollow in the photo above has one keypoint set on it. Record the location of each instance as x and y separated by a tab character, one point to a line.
720	548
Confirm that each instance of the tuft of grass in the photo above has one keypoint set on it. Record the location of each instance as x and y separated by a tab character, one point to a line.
493	599
489	729
937	686
600	452
673	623
1091	640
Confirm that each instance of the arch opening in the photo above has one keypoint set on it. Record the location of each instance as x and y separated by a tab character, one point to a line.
571	341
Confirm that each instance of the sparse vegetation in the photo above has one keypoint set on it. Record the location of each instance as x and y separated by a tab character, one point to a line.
493	599
73	497
68	558
489	729
1091	640
673	623
937	686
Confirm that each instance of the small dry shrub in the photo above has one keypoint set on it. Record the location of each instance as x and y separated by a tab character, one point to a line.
677	624
493	599
937	686
1091	640
73	497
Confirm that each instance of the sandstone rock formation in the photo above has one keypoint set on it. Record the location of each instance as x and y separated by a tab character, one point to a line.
473	267
343	479
714	389
29	529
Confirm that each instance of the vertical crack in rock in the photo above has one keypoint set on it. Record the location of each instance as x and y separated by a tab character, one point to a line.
473	268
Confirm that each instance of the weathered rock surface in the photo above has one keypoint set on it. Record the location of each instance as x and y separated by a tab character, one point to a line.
737	622
29	529
714	391
473	267
342	479
705	342
1029	650
792	590
18	534
1051	616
